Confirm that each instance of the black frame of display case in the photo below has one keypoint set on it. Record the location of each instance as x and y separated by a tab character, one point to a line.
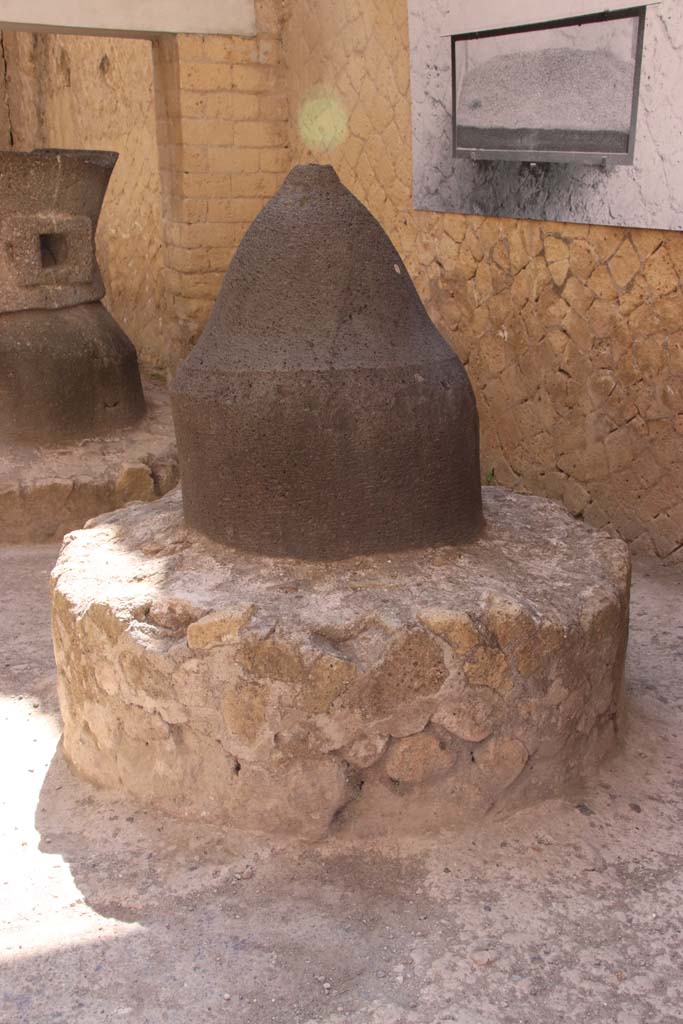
540	156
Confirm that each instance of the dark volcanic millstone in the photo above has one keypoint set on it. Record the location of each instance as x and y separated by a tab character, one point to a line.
321	414
67	370
66	374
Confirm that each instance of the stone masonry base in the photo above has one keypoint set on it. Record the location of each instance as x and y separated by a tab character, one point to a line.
404	692
47	491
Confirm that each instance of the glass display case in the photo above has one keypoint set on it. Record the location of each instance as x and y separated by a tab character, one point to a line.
563	90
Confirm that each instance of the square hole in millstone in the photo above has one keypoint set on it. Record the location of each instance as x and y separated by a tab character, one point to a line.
53	249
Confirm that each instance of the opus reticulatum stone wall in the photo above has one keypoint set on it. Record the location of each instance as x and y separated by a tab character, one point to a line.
570	333
411	691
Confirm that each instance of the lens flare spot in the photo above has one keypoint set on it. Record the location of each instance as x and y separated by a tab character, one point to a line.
323	121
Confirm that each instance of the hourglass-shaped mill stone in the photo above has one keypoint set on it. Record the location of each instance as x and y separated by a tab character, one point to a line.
67	370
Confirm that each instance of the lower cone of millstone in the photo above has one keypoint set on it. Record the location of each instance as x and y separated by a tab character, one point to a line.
66	374
321	415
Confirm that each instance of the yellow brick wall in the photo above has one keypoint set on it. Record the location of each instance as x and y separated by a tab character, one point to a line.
572	336
223	137
96	93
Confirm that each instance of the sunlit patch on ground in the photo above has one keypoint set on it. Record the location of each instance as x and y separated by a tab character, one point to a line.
40	904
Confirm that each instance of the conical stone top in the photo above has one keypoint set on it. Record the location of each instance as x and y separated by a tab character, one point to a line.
321	414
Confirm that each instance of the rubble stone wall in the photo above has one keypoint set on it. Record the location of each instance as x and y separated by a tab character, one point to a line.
572	335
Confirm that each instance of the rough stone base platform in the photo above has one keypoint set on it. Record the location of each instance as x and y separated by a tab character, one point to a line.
406	692
47	491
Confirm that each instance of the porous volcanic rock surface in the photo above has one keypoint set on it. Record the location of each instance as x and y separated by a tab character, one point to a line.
321	414
404	692
67	370
51	198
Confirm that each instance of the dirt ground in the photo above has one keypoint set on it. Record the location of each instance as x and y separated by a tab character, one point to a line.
570	911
